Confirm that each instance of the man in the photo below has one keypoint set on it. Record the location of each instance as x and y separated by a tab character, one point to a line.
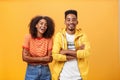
70	51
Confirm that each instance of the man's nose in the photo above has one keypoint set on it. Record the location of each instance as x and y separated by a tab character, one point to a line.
71	21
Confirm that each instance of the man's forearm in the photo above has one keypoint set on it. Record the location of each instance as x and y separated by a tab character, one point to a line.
68	52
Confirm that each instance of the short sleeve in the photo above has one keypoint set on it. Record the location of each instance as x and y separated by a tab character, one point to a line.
26	41
50	44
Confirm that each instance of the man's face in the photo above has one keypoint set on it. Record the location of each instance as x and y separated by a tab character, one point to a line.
71	22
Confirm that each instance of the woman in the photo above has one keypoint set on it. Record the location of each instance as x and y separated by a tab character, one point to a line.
37	48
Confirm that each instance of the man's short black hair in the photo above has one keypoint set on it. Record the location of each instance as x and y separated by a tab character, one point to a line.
70	12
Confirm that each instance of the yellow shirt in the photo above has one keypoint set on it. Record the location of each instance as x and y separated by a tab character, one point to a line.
60	42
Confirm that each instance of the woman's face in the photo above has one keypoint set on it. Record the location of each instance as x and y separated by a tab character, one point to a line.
41	26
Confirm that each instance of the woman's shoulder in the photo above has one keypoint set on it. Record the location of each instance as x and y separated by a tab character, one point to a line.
48	39
28	36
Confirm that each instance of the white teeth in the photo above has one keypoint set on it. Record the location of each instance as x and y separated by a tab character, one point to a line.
42	28
71	25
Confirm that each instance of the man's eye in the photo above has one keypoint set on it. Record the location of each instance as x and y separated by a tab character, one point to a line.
68	19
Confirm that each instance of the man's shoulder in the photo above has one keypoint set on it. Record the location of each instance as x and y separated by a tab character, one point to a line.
80	32
59	34
61	31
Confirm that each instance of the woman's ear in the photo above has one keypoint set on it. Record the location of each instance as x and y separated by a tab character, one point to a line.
36	25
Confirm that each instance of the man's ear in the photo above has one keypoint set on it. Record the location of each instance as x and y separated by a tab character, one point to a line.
77	22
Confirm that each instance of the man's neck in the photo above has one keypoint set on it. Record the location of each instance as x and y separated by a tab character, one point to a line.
70	32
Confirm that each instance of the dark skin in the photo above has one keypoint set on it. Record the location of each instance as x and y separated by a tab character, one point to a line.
36	60
41	28
71	22
71	54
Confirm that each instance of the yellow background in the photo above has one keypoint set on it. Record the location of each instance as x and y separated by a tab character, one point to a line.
98	18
